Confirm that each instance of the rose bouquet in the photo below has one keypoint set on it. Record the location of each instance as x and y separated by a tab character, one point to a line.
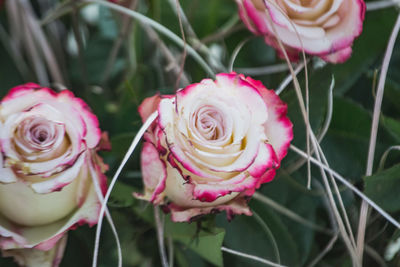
239	183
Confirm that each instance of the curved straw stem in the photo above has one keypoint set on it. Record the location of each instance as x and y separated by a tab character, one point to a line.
347	184
181	17
289	79
325	251
160	236
236	52
290	214
374	132
344	226
271	69
268	231
132	147
252	257
371	6
385	155
95	180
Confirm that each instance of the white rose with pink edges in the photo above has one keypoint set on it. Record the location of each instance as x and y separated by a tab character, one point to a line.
213	144
327	28
50	174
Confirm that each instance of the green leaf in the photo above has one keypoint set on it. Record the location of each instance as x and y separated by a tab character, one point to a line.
382	188
121	195
303	203
145	211
366	50
350	117
393	127
392	93
350	128
320	81
246	235
206	243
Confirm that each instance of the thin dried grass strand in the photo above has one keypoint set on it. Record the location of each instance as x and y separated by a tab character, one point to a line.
180	15
252	257
172	65
296	165
95	180
179	12
270	235
374	132
289	79
385	155
328	248
271	69
377	5
131	148
375	255
298	91
349	185
170	251
123	34
236	52
329	112
341	225
160	236
290	214
18	15
42	43
337	191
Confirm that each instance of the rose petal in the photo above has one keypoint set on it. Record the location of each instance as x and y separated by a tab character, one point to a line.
154	174
266	159
6	174
148	106
234	207
36	257
60	180
181	191
339	57
279	129
93	132
29	237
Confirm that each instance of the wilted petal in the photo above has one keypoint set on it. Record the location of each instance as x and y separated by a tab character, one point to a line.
235	207
38	258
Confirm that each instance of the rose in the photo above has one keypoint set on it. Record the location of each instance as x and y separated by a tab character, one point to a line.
327	28
50	174
212	145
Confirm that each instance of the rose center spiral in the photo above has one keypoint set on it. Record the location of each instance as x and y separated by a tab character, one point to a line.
209	123
38	133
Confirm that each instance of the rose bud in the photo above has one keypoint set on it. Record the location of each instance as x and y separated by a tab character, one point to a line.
213	144
50	175
327	28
